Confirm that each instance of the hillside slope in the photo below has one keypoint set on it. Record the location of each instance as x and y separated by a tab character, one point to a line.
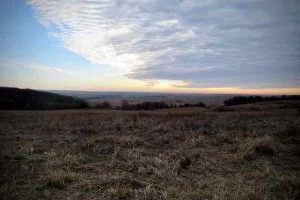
27	99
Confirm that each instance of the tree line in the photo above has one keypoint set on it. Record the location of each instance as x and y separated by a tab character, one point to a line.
27	99
148	105
253	99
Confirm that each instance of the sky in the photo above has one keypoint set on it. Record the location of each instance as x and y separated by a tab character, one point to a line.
189	46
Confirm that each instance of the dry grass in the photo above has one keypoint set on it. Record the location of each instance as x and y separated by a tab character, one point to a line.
60	179
252	148
170	154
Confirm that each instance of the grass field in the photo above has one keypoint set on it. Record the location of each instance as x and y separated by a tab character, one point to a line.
245	152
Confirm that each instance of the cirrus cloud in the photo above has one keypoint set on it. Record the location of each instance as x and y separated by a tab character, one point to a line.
209	43
33	66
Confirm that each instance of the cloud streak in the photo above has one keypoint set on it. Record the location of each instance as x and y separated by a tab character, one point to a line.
209	43
33	66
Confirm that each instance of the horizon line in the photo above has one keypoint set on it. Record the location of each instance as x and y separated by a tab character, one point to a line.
172	92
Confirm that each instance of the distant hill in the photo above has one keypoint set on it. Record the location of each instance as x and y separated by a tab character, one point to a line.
115	98
113	94
27	99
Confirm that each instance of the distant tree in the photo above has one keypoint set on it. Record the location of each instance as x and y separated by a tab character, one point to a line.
104	105
172	105
200	104
125	105
144	106
83	104
252	99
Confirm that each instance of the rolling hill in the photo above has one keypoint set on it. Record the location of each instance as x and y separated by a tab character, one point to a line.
27	99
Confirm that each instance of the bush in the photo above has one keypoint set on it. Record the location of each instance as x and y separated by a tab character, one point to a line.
144	106
200	104
104	105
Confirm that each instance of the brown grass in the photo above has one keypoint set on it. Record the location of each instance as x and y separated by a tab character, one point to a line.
170	154
252	148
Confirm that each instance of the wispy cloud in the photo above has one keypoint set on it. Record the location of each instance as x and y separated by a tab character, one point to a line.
33	66
211	43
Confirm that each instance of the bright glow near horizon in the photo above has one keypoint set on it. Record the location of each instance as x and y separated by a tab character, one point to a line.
210	46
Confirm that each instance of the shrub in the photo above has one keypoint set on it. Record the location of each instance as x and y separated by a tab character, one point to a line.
200	104
144	106
104	105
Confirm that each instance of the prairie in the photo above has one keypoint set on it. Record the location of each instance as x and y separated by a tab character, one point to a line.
242	152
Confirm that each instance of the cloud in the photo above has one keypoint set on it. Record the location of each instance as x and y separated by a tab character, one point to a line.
33	66
211	43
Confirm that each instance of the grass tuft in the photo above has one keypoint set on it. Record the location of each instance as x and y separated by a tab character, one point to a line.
255	147
60	179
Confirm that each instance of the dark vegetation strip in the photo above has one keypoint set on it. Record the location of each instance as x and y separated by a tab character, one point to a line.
147	105
253	99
